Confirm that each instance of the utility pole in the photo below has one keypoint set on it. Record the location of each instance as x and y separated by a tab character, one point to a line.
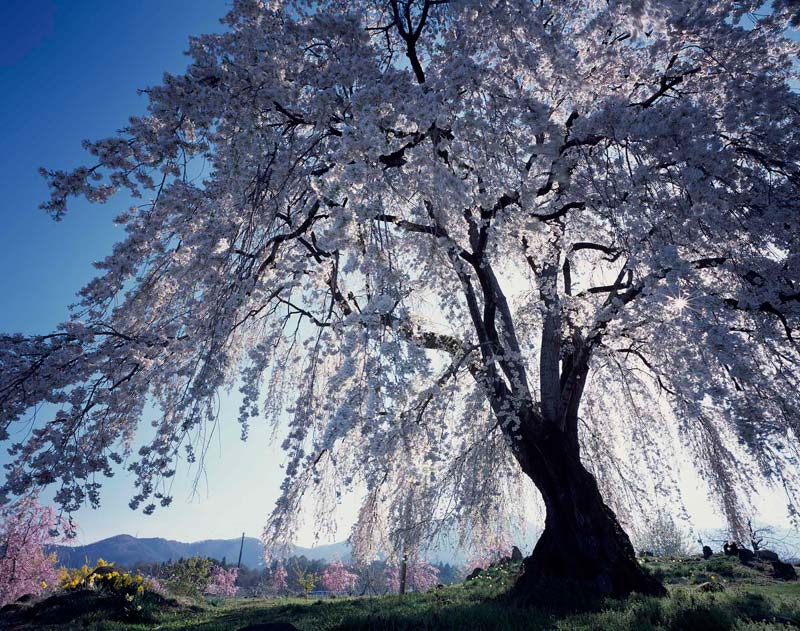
241	547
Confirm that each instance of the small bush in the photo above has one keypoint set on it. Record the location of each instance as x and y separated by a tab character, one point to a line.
724	566
688	611
128	589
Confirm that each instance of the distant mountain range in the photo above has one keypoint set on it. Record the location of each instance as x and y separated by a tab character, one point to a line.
126	550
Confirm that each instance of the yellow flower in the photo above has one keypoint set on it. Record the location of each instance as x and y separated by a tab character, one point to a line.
138	578
140	589
44	584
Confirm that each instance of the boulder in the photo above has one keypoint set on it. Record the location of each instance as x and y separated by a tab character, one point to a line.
516	554
475	573
707	552
746	556
25	598
270	626
711	586
784	571
767	555
731	549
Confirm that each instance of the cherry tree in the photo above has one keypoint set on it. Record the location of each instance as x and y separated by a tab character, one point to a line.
420	576
222	582
26	528
457	250
337	578
277	581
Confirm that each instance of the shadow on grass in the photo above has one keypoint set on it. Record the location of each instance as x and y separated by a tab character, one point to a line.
681	611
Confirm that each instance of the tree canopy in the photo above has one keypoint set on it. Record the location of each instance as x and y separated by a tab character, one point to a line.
425	234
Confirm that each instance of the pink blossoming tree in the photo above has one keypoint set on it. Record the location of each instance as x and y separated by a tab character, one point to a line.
461	251
222	582
420	576
278	579
26	528
337	578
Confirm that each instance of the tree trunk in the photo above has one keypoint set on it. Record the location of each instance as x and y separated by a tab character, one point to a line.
583	545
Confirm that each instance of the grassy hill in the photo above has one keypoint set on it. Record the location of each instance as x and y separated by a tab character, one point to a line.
750	600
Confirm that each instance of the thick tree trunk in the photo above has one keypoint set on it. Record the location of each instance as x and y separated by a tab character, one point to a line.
582	546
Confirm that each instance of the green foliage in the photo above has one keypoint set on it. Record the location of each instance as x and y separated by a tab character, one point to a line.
307	581
187	577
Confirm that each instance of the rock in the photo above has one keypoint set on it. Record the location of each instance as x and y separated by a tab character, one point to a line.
711	586
475	573
647	553
270	626
731	549
504	561
707	552
784	571
440	586
746	556
25	598
516	554
767	555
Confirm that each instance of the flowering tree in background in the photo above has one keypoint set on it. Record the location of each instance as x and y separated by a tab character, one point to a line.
25	529
277	581
337	578
222	582
662	536
420	576
471	247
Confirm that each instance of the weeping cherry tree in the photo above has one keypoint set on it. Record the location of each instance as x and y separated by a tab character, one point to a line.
454	250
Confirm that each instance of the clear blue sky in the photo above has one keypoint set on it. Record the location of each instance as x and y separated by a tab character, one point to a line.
69	70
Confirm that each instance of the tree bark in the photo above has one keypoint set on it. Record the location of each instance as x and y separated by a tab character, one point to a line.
583	544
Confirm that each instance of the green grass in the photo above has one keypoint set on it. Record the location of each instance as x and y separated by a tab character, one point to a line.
750	602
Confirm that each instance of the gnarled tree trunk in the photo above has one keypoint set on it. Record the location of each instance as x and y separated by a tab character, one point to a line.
582	543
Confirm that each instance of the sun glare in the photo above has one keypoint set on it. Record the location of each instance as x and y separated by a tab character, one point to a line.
678	304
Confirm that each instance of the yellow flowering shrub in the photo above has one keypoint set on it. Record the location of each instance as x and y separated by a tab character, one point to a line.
107	579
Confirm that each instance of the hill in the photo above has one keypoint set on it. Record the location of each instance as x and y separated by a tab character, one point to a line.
127	550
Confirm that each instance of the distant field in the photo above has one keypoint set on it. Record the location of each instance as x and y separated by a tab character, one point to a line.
750	601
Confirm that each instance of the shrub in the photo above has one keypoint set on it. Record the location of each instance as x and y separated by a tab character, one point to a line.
724	566
187	577
128	588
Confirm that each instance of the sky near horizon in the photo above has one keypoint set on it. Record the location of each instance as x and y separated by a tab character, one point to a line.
70	70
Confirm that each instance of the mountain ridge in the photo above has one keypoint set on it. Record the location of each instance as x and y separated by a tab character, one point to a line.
127	550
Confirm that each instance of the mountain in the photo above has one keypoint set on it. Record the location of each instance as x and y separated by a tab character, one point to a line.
126	550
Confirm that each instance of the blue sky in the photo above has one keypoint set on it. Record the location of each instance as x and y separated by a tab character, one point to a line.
69	70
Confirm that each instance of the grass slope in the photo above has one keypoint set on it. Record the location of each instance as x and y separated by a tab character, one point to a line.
751	601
